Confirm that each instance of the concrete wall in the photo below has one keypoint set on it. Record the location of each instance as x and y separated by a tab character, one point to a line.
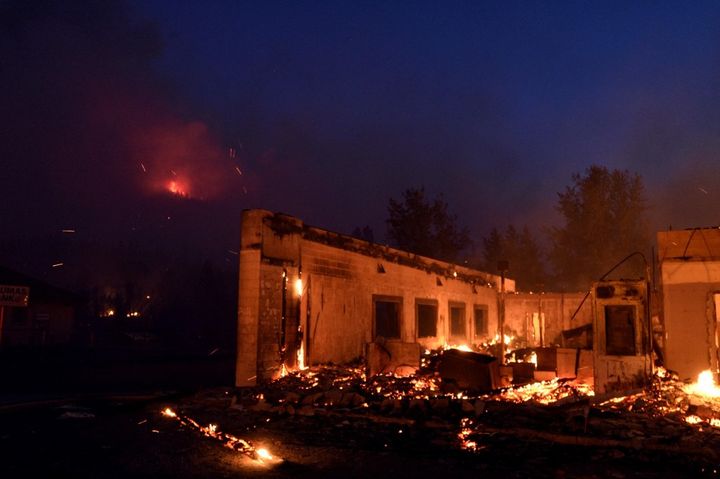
690	317
341	301
332	318
690	278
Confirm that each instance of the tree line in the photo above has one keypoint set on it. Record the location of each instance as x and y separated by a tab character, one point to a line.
603	219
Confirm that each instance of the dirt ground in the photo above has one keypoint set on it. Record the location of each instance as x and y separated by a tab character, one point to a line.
115	437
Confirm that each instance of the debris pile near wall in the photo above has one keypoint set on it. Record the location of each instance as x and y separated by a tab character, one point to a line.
662	418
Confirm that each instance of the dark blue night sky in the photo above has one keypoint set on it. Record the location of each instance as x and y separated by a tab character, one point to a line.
494	104
333	107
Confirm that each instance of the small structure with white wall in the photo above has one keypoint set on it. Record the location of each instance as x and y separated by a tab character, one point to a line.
621	340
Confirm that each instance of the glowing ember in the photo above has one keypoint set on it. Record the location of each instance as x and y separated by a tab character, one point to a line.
546	392
464	436
168	412
425	384
261	455
693	419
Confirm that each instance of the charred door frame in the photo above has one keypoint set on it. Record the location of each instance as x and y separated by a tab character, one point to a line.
615	372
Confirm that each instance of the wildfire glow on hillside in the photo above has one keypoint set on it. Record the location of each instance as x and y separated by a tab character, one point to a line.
178	188
184	159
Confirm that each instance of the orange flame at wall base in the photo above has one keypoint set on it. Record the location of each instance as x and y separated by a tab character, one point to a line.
705	386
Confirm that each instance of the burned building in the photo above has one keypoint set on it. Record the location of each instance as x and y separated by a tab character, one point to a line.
34	313
309	296
690	289
621	335
549	319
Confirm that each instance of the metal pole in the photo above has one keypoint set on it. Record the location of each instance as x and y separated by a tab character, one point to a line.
283	317
541	319
502	317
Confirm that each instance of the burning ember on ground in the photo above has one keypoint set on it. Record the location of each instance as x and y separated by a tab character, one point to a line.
260	455
545	392
665	403
330	404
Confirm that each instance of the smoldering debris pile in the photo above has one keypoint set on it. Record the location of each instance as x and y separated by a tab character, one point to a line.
664	417
334	405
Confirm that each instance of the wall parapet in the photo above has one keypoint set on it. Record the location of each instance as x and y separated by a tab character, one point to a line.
282	225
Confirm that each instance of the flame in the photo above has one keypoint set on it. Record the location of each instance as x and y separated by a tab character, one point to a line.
178	188
261	455
264	454
459	347
705	386
298	287
301	357
533	358
545	392
507	339
168	412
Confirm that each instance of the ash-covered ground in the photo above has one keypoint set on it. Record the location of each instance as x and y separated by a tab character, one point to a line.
335	422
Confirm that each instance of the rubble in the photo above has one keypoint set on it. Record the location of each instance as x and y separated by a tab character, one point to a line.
335	404
470	370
